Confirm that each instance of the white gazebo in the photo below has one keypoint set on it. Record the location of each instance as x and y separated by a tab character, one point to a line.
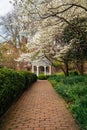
37	63
41	61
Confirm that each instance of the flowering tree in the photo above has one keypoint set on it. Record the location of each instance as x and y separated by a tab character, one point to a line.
43	22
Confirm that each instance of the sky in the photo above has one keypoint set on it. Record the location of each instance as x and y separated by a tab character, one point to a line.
5	7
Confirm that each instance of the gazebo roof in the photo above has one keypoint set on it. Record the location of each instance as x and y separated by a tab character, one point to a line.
41	60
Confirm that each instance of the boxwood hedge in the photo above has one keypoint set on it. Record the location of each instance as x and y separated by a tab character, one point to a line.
12	85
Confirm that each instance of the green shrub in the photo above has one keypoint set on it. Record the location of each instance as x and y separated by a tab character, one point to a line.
73	73
43	77
12	85
74	91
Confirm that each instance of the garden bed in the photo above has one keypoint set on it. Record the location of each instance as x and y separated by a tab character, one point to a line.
74	90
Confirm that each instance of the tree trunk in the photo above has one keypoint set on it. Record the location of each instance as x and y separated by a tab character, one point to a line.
66	69
80	67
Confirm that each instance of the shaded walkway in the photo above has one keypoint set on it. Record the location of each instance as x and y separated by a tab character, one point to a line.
39	108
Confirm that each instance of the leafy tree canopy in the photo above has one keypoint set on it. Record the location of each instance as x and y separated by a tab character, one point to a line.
76	29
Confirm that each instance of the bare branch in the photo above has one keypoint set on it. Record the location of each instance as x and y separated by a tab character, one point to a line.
3	37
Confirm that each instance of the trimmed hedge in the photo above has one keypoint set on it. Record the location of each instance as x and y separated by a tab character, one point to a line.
12	85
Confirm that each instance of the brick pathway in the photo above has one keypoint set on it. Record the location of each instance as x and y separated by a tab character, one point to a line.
39	108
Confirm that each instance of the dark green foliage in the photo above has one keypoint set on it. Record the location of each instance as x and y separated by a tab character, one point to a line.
73	73
77	30
43	77
12	85
74	91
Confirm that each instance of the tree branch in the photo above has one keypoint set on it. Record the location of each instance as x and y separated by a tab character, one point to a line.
71	5
3	37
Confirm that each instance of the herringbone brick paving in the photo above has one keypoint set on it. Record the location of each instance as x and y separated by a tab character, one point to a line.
39	108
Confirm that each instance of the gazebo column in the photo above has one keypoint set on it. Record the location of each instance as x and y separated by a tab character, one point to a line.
37	70
50	70
32	69
44	70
